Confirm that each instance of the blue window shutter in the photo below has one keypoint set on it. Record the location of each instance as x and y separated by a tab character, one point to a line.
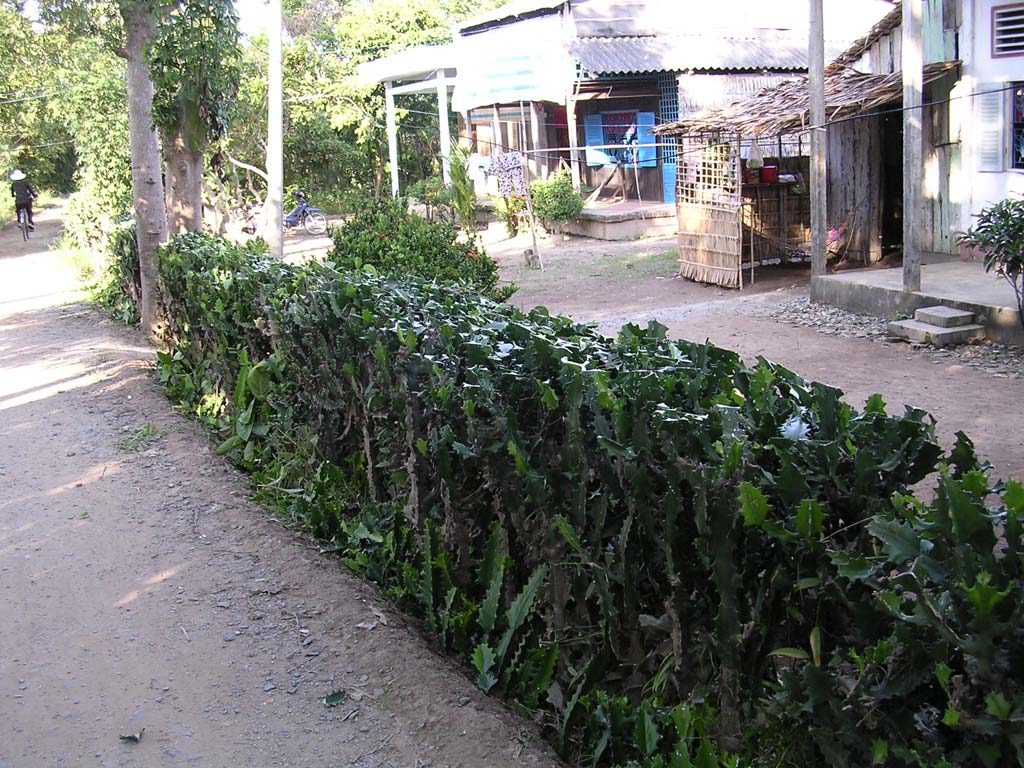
668	182
593	133
648	155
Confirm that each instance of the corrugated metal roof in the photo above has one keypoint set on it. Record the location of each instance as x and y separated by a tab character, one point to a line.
699	92
888	23
757	50
510	12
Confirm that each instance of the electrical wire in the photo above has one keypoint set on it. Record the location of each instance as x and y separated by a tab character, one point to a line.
27	98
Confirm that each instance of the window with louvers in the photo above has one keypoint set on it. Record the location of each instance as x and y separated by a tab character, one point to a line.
1017	126
1008	30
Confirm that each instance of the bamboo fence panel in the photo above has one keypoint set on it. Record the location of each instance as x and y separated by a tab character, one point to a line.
709	209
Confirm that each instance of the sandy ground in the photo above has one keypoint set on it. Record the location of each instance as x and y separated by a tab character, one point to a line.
612	283
140	589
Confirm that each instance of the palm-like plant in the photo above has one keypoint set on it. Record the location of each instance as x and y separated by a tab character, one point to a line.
999	234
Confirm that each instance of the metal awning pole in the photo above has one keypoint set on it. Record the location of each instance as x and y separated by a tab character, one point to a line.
446	136
392	129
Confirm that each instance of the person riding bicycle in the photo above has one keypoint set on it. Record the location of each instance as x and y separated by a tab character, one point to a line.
23	195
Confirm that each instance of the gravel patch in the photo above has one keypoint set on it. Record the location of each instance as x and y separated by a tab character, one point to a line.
999	360
831	321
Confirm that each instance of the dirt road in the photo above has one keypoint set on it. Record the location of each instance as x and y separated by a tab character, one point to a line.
139	589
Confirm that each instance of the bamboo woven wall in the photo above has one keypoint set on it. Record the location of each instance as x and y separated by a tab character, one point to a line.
709	209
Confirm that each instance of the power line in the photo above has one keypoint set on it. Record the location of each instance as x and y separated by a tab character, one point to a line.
27	98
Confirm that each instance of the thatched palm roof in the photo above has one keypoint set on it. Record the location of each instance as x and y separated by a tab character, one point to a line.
785	108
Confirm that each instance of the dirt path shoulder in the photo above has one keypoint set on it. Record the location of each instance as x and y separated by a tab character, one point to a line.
139	588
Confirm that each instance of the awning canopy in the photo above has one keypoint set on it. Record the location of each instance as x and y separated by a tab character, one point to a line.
413	65
525	61
786	107
423	69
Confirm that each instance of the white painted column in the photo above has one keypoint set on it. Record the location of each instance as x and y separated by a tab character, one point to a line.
392	129
496	141
574	152
273	221
446	137
816	83
913	203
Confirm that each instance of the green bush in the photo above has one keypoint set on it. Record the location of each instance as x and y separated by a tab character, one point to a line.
511	210
435	196
676	558
385	238
555	200
119	288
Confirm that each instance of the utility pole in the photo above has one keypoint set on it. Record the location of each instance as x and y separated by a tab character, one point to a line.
273	221
816	83
912	65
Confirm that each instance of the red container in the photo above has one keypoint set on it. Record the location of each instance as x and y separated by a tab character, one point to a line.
770	174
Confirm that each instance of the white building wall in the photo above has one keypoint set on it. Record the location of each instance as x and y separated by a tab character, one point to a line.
983	72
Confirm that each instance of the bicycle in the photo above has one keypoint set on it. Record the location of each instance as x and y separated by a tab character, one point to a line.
23	223
311	219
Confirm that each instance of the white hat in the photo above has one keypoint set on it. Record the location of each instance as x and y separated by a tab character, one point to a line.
17	175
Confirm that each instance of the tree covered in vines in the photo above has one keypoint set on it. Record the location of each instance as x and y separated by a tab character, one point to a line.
194	64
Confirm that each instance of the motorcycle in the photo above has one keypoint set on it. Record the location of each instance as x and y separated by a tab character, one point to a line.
305	215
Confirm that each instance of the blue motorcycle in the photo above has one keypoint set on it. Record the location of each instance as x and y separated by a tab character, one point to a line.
305	215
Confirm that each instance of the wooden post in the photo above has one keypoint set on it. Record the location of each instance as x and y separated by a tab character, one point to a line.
466	138
539	163
529	212
274	221
496	144
392	129
912	67
816	82
526	182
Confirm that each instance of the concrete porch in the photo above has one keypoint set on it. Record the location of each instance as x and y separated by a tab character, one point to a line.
624	220
961	284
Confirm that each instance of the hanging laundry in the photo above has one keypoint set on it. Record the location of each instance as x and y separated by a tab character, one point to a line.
508	168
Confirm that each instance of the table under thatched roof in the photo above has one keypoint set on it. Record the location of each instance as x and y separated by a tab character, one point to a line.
785	108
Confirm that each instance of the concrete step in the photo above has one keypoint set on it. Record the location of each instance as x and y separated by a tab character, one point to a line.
936	335
946	317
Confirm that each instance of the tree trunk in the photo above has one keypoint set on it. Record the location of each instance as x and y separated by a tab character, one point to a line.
183	170
378	177
147	184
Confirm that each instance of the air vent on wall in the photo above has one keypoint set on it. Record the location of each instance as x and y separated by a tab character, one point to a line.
1008	30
